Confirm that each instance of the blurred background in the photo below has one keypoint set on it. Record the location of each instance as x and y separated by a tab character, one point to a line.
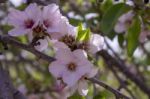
130	46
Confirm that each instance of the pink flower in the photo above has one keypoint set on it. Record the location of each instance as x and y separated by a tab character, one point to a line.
82	85
92	46
24	21
124	22
55	24
70	66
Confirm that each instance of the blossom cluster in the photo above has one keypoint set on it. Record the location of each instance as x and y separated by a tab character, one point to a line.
72	45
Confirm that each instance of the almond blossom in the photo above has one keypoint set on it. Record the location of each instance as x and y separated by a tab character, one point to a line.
92	46
38	24
24	21
70	66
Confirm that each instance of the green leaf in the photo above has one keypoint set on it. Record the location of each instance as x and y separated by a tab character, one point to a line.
121	39
83	35
111	16
106	4
133	36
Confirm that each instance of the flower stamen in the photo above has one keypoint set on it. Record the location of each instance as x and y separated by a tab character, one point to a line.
72	66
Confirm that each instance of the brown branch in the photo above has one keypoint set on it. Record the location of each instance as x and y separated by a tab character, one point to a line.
114	91
7	90
123	68
10	40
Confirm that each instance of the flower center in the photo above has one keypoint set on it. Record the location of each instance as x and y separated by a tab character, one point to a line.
29	23
84	46
69	40
46	23
40	31
72	66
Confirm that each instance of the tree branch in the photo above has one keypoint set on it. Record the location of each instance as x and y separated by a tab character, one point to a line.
10	40
123	68
114	91
7	90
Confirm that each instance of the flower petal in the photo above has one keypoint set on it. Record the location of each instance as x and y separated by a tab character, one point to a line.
120	27
18	31
51	15
33	12
43	45
97	41
64	55
50	9
56	68
59	45
80	54
92	73
84	67
16	18
71	78
83	88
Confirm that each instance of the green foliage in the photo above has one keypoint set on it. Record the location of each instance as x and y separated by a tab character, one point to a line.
76	96
74	21
5	28
121	39
111	16
103	95
83	35
133	36
99	96
22	7
106	4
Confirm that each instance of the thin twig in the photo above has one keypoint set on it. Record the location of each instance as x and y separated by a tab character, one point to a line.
114	91
10	40
125	70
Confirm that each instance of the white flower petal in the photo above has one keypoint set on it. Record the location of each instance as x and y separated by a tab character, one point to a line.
120	27
80	54
92	73
43	45
84	67
56	68
18	31
64	55
59	45
51	15
16	18
97	41
53	31
71	78
33	12
52	8
66	28
83	88
93	49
